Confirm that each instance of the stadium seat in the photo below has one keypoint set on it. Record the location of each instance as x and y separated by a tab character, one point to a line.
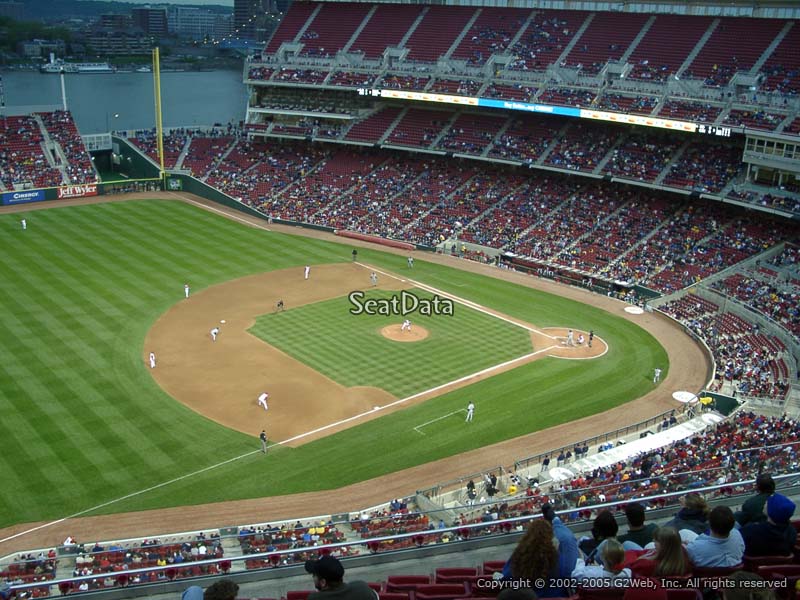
440	591
490	566
393	595
298	594
713	573
455	574
752	563
405	583
478	589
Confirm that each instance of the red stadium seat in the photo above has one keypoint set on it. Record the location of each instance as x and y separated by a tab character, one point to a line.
440	591
298	594
490	566
455	574
405	583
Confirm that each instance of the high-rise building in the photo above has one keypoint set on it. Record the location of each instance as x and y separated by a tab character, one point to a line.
246	15
153	21
199	23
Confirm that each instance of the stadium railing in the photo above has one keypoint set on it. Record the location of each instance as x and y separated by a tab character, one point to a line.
289	562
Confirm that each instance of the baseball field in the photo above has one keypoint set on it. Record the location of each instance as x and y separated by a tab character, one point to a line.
88	428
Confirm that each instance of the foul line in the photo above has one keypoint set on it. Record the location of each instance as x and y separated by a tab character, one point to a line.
464	301
126	497
455	412
284	442
220	212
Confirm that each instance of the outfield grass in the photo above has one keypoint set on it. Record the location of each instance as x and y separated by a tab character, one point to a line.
457	345
83	422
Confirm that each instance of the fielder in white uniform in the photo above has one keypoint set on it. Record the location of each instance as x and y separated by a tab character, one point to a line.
262	400
186	290
307	272
656	375
470	411
214	333
24	224
570	338
406	326
373	277
152	360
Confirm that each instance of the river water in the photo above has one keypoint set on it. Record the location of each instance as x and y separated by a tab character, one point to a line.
100	102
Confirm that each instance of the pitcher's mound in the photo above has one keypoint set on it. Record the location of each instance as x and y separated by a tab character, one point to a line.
394	333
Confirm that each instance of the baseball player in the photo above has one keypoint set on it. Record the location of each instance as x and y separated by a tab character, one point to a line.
591	337
152	360
186	290
410	262
581	339
262	400
263	437
470	411
406	326
656	375
570	338
214	333
279	305
307	272
24	224
373	277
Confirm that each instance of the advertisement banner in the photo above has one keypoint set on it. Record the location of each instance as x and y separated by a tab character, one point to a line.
22	197
77	191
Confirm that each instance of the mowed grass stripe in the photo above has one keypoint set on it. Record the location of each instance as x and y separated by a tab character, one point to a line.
458	345
159	439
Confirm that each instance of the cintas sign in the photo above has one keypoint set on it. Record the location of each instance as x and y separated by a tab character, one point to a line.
77	191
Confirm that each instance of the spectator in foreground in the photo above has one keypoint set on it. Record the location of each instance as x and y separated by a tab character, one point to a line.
776	536
667	559
693	514
639	534
224	589
723	547
604	527
567	544
328	574
610	565
753	508
536	557
744	587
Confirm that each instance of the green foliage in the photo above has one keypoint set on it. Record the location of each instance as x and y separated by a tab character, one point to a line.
84	422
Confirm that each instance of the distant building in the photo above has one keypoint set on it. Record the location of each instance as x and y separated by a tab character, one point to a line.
246	13
107	42
199	23
116	22
39	48
153	21
14	10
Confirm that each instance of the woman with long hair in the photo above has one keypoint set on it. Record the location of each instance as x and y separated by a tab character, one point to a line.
536	557
667	559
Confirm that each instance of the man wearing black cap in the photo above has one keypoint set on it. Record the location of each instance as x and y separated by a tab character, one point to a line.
328	573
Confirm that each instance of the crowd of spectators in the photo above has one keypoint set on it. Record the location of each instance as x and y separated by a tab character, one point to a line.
747	360
61	128
780	301
22	158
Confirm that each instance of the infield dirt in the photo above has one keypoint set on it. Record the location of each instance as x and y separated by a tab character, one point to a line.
689	369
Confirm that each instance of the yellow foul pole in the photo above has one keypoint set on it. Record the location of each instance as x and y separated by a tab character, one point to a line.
159	126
